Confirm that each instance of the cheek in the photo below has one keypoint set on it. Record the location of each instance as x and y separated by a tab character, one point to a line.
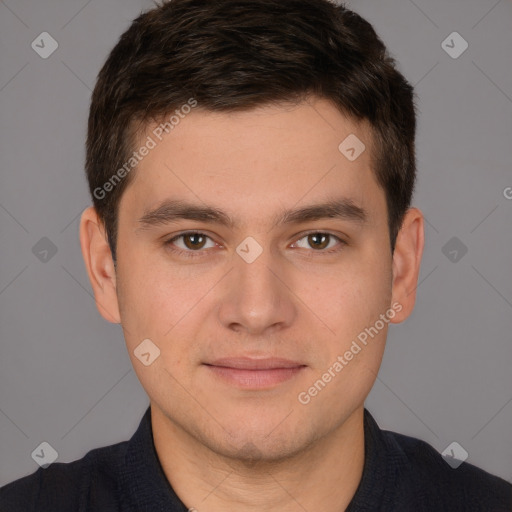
354	295
350	303
168	305
352	354
152	296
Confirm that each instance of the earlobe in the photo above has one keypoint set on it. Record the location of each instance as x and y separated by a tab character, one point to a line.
99	264
406	262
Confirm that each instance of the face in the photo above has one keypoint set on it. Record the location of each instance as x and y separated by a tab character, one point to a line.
255	256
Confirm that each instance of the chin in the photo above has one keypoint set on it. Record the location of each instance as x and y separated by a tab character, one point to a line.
262	440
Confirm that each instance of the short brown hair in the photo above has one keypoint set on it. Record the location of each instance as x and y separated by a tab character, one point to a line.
233	55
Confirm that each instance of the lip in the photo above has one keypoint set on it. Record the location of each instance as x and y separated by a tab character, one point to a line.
251	363
250	373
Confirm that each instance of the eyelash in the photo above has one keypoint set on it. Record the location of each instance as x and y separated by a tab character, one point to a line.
199	253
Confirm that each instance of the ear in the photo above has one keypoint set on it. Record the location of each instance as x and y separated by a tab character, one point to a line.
99	264
406	263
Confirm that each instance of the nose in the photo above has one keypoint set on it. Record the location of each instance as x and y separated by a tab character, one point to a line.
257	298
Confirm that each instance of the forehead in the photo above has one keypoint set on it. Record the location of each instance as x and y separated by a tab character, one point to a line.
254	161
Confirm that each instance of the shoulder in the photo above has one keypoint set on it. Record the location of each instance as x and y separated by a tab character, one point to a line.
433	481
89	481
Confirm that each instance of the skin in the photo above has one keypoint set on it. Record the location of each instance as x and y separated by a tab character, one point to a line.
223	447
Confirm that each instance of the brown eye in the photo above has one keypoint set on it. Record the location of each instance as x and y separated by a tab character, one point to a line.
321	242
190	244
194	240
318	240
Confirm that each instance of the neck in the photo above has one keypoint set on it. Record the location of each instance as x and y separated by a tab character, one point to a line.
324	476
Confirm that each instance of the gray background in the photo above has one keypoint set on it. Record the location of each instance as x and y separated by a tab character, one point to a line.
65	376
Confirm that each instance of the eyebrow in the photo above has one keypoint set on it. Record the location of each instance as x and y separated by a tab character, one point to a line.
172	210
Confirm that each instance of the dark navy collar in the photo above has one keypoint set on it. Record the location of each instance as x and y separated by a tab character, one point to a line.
144	485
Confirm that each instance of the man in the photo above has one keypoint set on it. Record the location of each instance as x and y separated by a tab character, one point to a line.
251	165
